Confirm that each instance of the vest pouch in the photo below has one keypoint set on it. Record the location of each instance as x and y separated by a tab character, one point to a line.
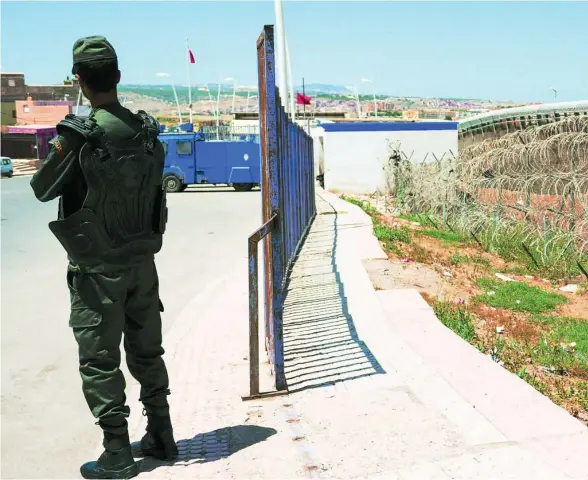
81	237
160	212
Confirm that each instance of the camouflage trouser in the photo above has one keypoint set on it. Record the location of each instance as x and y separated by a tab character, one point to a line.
103	307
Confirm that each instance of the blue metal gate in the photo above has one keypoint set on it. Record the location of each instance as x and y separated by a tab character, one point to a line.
288	206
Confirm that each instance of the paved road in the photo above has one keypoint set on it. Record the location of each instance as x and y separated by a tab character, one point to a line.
47	430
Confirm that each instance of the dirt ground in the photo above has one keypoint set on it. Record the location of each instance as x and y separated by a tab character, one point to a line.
429	265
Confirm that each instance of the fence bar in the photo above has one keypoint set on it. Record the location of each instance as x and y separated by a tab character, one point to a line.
253	244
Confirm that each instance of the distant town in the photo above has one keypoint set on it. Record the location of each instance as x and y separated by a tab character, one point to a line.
30	112
324	99
160	100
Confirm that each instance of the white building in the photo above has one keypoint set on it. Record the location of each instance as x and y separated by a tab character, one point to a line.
355	155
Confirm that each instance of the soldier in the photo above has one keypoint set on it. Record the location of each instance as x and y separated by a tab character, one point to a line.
107	170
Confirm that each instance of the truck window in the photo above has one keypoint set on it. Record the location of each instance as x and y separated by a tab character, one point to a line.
184	148
164	145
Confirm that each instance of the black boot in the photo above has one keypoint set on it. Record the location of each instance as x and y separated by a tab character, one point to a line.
115	462
159	440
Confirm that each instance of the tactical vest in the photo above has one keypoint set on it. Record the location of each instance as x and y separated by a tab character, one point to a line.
124	213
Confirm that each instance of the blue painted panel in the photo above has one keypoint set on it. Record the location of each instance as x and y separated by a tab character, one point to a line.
388	126
179	164
243	155
211	159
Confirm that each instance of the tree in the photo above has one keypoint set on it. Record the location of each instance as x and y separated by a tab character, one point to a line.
448	117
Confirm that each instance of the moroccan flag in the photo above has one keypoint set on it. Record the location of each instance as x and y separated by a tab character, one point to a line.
302	99
192	59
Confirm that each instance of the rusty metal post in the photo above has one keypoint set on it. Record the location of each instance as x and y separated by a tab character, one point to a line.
288	208
253	244
253	319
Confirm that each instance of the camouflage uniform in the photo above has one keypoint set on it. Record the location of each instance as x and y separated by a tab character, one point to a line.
107	171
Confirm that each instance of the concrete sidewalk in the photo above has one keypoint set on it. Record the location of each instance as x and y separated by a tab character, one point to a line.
379	388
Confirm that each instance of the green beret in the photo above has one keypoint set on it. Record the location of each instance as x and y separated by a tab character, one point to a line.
91	49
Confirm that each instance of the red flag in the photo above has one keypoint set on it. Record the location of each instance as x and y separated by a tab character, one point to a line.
192	59
302	99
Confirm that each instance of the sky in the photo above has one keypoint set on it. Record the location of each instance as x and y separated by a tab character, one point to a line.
491	50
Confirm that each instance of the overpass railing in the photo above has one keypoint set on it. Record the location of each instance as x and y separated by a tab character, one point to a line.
288	209
497	123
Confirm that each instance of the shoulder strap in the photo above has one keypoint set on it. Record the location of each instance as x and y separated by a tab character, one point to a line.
87	127
150	130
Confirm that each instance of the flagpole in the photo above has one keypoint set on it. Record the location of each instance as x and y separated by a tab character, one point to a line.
281	54
177	102
291	85
189	82
304	107
217	106
304	95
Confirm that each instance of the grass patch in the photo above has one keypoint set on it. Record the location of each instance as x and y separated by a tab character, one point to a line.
387	234
488	283
457	319
519	297
410	217
532	380
393	248
444	236
554	362
519	269
365	206
568	330
459	259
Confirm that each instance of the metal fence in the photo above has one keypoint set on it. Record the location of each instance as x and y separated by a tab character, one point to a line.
288	207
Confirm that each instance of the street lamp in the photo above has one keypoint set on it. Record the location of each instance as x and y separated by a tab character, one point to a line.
250	97
167	75
206	89
230	79
554	90
357	104
220	82
367	80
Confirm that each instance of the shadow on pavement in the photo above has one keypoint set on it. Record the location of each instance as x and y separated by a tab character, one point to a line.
321	345
209	447
219	189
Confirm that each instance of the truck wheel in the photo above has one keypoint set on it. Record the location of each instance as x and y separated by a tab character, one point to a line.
243	187
172	183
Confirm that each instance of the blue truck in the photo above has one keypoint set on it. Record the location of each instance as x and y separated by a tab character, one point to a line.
189	160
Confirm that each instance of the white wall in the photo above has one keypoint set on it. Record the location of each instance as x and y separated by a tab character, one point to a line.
317	134
354	161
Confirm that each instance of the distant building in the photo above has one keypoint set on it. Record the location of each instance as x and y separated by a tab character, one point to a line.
41	112
8	113
355	155
28	141
35	104
410	115
68	91
14	88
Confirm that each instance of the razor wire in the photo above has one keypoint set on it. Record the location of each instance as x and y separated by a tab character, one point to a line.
530	184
